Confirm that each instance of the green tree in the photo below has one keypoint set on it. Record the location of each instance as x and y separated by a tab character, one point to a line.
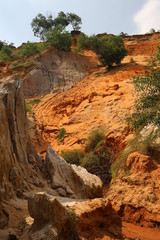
147	86
61	40
152	30
62	20
42	25
75	21
110	49
1	44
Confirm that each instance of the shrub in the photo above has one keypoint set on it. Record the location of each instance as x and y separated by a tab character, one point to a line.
27	64
132	60
119	162
73	156
29	49
138	143
1	44
110	49
6	53
147	87
61	133
90	159
94	138
60	40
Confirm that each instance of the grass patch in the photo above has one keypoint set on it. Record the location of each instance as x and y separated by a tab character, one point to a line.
119	162
61	133
74	156
139	144
27	64
94	138
89	160
31	103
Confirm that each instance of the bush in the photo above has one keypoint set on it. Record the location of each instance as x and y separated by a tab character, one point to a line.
110	49
1	44
29	49
6	53
94	138
90	160
61	133
147	103
138	143
27	64
73	156
60	40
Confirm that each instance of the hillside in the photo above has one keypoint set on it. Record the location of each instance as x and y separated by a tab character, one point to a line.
101	99
67	202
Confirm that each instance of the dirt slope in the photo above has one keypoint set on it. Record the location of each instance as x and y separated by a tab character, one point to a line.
101	99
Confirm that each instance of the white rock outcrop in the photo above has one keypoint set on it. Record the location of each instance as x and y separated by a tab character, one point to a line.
70	180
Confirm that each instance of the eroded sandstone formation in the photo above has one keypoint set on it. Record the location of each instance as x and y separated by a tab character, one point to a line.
16	150
51	219
136	195
56	71
70	180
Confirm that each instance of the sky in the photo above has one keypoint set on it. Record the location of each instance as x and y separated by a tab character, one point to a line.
98	16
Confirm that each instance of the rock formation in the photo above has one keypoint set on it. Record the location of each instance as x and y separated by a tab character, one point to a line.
96	219
137	195
16	150
51	219
70	180
56	71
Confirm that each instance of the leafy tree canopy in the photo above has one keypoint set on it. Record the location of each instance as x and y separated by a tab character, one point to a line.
60	39
41	25
110	49
75	21
147	86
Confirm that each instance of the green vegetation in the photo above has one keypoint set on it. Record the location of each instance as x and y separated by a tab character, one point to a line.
90	159
29	49
147	104
53	31
61	133
61	40
6	53
110	49
132	60
139	144
71	214
42	25
31	103
147	111
75	21
26	64
94	139
74	156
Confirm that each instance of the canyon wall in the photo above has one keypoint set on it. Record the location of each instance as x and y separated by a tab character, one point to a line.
56	71
16	150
